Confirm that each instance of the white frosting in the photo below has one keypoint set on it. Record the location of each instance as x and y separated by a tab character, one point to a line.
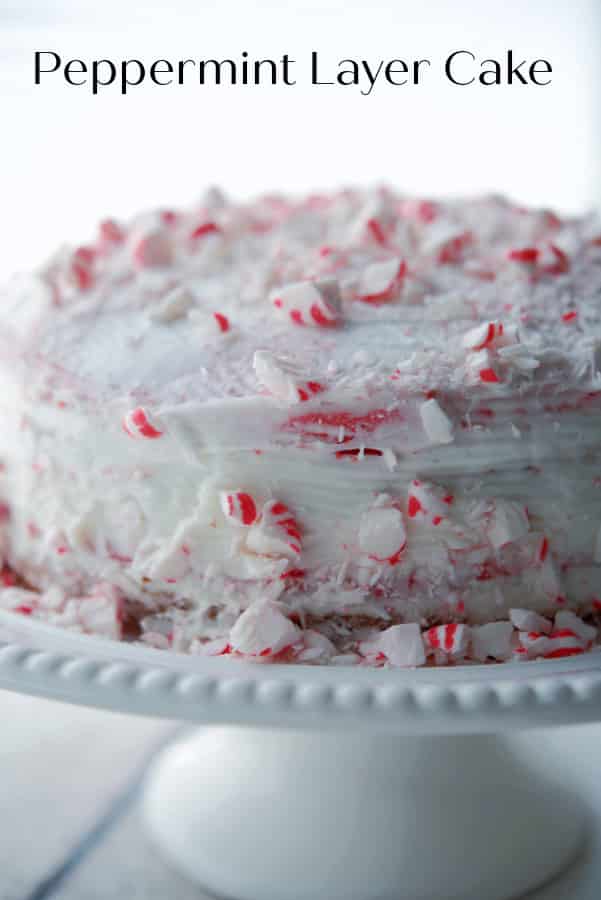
427	450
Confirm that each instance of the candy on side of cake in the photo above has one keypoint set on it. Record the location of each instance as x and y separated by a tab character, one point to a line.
349	428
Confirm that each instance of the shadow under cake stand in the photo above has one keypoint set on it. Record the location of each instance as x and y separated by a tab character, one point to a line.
335	782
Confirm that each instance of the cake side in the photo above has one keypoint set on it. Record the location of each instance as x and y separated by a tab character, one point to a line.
358	428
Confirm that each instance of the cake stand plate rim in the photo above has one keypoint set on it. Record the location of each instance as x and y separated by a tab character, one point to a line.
43	660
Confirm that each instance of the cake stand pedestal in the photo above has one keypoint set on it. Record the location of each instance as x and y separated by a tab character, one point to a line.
346	784
264	815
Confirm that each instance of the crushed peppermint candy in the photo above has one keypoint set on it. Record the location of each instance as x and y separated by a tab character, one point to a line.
277	533
316	304
139	423
399	645
263	630
284	379
239	507
448	640
381	419
437	424
153	249
381	282
382	535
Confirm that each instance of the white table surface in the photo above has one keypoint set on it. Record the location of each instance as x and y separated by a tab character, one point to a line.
69	805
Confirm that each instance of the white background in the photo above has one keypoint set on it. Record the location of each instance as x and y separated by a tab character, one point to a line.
69	158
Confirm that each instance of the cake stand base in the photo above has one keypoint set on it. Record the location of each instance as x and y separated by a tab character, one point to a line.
285	815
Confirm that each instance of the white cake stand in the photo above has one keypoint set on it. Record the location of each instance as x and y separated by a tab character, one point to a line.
344	783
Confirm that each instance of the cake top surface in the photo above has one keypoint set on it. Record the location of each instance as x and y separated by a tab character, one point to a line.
346	296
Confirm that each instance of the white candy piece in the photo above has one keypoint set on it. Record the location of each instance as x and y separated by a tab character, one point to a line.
506	522
437	424
100	612
316	304
492	641
382	534
565	618
285	380
526	620
520	357
402	645
379	279
390	459
263	630
173	306
316	646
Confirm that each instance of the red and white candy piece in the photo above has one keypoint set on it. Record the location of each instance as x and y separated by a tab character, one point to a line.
446	241
494	640
380	282
138	423
559	643
111	232
263	630
449	640
566	619
400	645
284	379
153	249
204	230
505	522
427	501
312	303
79	273
553	260
239	507
481	368
20	600
437	424
276	534
375	222
453	250
209	324
564	642
546	258
488	334
525	255
424	211
382	535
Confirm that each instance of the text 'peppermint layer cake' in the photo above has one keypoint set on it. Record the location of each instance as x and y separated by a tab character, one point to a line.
354	428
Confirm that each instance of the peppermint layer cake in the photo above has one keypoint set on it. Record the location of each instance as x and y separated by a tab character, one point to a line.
353	428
